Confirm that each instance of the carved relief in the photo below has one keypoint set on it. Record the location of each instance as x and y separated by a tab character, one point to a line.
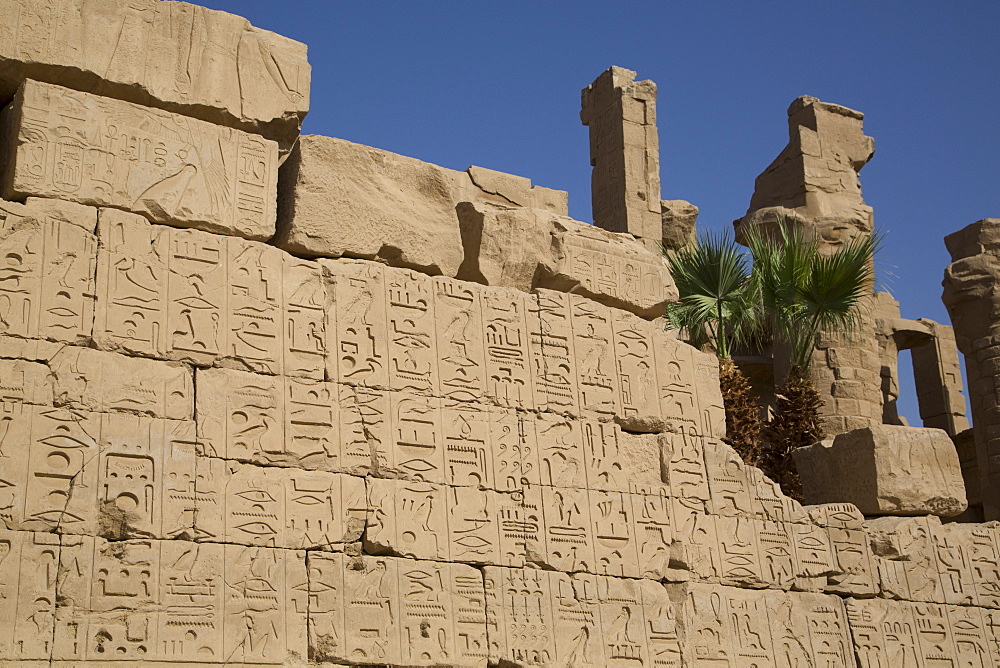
47	271
189	295
170	168
177	601
29	567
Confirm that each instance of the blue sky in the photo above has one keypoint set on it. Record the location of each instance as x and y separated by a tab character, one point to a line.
498	85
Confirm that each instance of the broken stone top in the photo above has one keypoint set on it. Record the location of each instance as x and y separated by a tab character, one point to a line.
980	237
814	181
170	55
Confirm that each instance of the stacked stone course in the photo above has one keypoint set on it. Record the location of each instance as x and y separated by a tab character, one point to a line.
213	451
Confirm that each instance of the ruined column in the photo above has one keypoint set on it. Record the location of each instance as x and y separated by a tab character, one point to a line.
814	184
625	154
970	294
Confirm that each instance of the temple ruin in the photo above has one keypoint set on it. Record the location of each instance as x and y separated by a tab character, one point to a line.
270	399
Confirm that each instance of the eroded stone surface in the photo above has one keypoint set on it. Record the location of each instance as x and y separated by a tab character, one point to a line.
339	198
677	221
174	56
172	169
529	248
885	470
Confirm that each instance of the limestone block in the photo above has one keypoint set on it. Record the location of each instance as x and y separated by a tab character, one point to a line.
677	222
102	382
25	382
174	601
174	56
114	475
29	567
727	626
899	633
544	618
278	507
339	198
395	611
528	248
885	470
208	299
172	169
47	277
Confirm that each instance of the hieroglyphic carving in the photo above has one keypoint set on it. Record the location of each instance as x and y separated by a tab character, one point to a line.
593	347
396	611
548	618
553	363
170	168
46	276
29	564
508	365
636	372
190	295
358	342
178	601
688	388
727	626
461	342
412	333
268	419
24	382
278	507
115	475
855	572
514	447
87	379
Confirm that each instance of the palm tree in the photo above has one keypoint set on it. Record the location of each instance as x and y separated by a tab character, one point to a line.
719	309
803	292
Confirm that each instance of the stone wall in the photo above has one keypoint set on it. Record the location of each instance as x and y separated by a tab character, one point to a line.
215	451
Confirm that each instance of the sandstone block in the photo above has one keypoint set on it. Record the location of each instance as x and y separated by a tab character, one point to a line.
114	475
677	221
885	470
339	198
887	632
172	169
208	299
174	56
174	601
528	248
395	611
102	382
47	278
555	619
29	566
24	382
739	627
278	507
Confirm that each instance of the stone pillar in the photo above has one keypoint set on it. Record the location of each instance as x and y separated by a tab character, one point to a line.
625	154
971	295
814	184
938	380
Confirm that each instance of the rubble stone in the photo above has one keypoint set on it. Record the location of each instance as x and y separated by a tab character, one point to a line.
885	470
677	223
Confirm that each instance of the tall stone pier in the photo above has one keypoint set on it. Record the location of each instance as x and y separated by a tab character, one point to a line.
814	184
971	294
625	154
